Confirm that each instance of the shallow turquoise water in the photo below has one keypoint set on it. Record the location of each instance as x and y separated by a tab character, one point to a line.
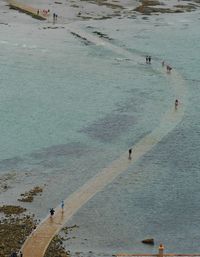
69	108
157	197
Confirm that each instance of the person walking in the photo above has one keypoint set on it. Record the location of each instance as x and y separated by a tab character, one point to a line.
176	104
51	212
149	60
169	68
54	18
62	205
129	153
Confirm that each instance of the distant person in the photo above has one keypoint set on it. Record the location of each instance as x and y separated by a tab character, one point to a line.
129	153
38	12
52	211
62	205
163	63
176	104
20	254
169	68
149	59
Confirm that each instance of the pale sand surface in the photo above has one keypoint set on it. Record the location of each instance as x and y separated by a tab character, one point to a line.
28	9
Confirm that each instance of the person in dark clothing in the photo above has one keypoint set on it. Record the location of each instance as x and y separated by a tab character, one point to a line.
129	153
149	59
52	212
176	103
62	205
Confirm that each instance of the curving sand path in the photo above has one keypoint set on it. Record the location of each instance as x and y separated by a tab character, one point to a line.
37	243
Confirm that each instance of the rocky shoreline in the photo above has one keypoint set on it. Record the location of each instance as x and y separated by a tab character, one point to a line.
29	196
16	225
116	8
56	248
148	7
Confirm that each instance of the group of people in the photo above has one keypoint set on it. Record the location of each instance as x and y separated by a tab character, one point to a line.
46	13
55	17
52	211
168	67
148	59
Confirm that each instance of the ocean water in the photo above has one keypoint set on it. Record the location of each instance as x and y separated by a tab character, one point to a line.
70	106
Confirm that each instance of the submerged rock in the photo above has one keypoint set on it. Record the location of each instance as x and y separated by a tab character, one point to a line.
55	248
148	7
148	241
13	232
10	209
28	196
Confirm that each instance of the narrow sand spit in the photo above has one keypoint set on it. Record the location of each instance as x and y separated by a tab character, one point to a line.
36	13
37	243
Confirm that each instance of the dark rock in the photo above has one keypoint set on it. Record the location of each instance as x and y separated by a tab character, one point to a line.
148	241
10	209
28	196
